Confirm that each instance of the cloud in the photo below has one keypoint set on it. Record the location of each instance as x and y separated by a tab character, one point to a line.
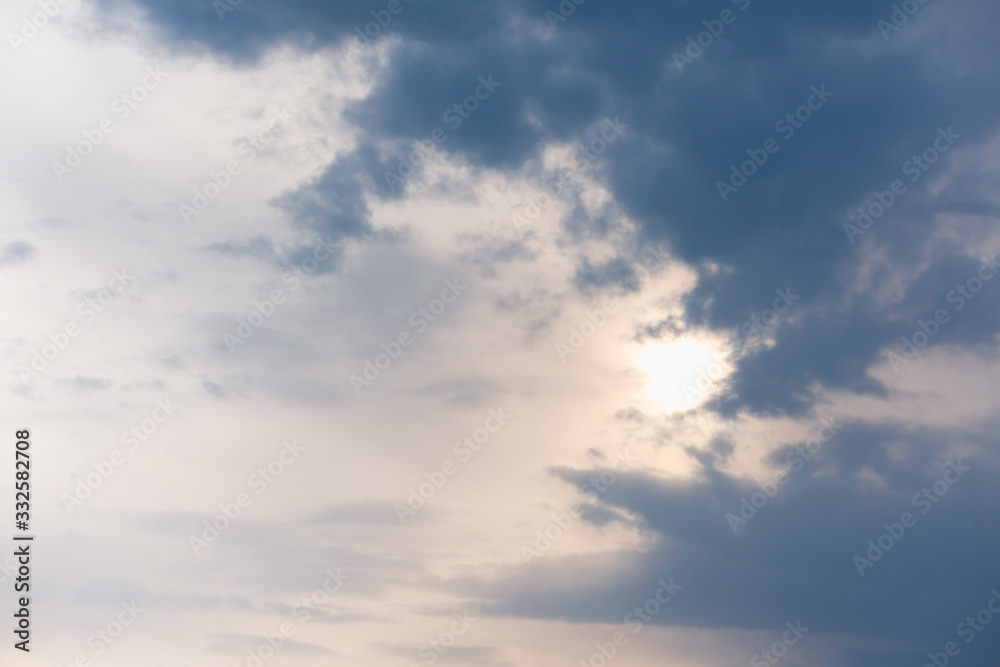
85	383
232	643
363	511
784	227
15	252
259	248
457	655
795	557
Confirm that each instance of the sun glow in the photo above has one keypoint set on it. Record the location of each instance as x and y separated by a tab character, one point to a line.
682	374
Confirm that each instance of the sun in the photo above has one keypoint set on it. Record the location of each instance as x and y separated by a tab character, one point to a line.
681	374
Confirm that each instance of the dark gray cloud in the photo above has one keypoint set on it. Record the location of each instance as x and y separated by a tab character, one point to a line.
794	558
334	204
784	227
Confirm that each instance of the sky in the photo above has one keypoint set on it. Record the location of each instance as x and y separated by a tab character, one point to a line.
503	333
